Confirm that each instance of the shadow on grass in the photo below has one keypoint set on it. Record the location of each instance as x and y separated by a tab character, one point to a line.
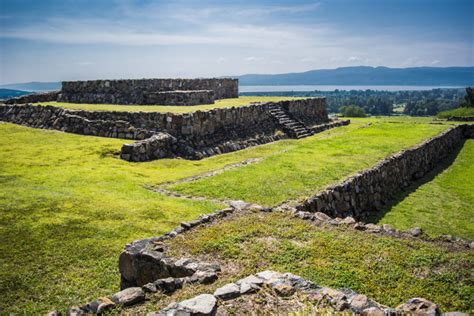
399	197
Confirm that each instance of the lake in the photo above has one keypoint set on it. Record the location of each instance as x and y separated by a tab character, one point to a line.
332	88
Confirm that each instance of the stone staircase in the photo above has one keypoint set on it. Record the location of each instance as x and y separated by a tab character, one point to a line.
292	127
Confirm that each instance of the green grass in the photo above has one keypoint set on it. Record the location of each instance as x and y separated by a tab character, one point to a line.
457	112
68	205
444	205
388	270
224	103
312	165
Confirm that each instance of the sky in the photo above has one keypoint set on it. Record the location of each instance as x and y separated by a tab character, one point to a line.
54	40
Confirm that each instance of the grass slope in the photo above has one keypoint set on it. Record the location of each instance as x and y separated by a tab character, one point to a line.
224	103
444	205
457	112
388	270
312	165
68	206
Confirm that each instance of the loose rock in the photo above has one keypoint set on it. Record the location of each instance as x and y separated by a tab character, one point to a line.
129	296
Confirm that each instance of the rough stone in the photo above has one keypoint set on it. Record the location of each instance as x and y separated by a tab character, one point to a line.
415	231
374	187
228	291
284	290
129	296
419	306
373	311
204	304
359	302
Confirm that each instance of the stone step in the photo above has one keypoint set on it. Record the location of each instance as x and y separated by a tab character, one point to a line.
302	136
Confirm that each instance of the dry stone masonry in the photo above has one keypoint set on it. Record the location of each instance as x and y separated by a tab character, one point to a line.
192	135
149	91
368	191
139	91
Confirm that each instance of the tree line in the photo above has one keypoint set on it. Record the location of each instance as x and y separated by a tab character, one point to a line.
416	103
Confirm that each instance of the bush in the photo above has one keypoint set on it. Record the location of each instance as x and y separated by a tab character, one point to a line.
352	111
464	111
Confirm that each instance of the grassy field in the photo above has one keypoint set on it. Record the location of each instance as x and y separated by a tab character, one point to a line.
302	170
457	112
388	270
68	205
224	103
445	205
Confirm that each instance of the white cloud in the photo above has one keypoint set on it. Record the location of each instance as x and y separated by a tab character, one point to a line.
354	59
253	59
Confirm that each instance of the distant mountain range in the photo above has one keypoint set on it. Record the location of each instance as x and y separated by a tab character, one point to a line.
361	75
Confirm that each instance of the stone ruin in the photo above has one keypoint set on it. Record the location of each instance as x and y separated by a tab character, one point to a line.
193	135
149	91
139	91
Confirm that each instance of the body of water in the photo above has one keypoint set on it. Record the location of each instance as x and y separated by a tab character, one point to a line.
332	88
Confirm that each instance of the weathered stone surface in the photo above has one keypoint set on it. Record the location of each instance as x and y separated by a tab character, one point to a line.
284	290
204	277
35	97
269	275
228	291
373	311
105	304
75	311
415	231
367	192
145	91
204	304
200	134
419	306
359	302
348	221
129	296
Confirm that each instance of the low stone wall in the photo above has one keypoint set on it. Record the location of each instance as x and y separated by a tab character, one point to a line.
35	97
51	117
366	192
158	146
136	91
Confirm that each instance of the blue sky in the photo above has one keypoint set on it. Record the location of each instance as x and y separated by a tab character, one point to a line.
49	40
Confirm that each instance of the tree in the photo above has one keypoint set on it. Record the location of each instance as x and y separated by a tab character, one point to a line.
352	111
468	101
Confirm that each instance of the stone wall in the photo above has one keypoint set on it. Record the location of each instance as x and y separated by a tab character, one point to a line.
51	117
141	91
367	192
198	134
33	98
180	97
